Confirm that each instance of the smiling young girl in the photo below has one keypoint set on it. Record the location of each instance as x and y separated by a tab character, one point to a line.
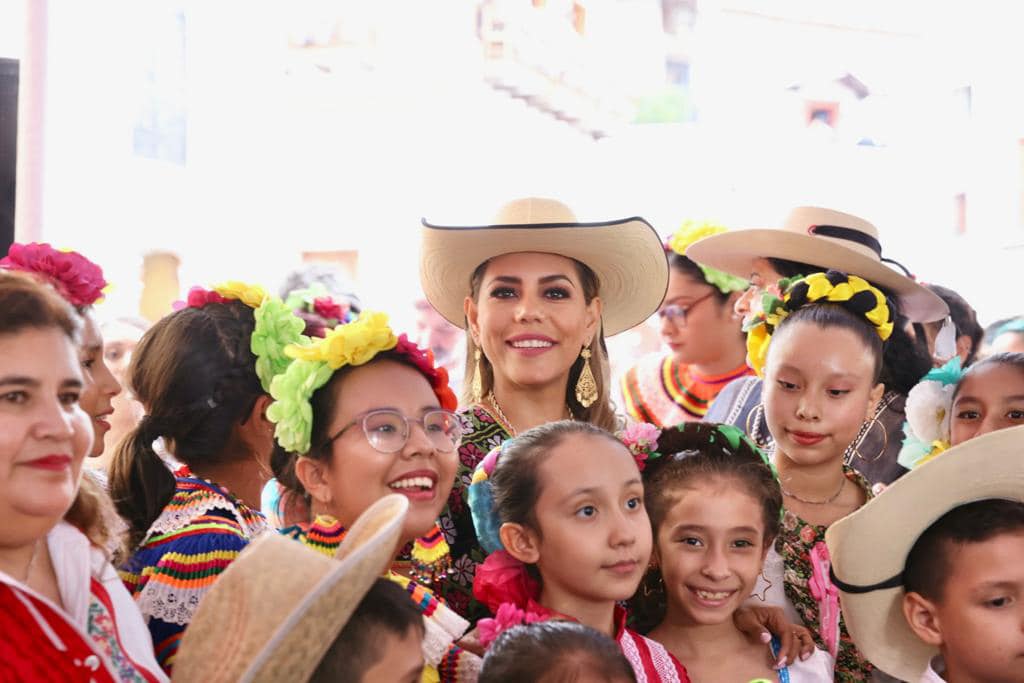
714	504
561	507
360	414
820	348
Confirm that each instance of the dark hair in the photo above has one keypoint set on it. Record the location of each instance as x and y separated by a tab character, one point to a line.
557	650
195	374
685	266
601	412
964	318
27	303
385	610
514	482
1005	358
905	358
700	450
930	561
826	315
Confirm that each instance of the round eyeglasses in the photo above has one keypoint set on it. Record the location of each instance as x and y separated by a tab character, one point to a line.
676	313
387	431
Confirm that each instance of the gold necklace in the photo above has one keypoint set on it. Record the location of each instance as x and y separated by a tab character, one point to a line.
831	499
504	418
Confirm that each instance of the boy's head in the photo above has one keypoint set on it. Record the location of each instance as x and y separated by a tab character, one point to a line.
555	652
935	565
964	583
381	643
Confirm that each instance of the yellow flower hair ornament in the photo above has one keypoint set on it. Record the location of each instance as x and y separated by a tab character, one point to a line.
692	231
849	291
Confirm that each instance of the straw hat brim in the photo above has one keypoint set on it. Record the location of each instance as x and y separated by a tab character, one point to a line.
275	611
871	545
626	255
735	252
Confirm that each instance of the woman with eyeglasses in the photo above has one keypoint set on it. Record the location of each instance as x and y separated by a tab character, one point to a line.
360	414
707	349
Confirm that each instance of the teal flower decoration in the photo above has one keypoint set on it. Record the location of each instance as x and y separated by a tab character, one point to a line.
276	327
291	410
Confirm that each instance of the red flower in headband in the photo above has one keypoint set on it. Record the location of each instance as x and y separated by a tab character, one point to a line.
424	362
75	277
199	297
326	307
503	579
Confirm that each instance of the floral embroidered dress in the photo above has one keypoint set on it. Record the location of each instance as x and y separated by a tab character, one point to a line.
481	433
800	546
445	660
200	532
661	390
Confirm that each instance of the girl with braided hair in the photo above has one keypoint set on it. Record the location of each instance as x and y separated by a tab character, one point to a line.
819	348
202	374
714	503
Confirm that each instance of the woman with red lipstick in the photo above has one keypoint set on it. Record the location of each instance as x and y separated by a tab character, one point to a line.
819	348
536	291
714	505
359	415
203	375
81	283
64	614
707	349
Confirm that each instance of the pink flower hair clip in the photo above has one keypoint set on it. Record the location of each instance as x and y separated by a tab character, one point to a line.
76	278
641	438
199	297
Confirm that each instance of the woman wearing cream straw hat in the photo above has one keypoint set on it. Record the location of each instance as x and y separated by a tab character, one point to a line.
883	576
812	239
537	291
274	613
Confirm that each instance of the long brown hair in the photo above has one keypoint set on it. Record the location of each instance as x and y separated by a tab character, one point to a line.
601	412
195	374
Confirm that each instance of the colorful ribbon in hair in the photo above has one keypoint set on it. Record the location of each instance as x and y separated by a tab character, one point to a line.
692	231
849	291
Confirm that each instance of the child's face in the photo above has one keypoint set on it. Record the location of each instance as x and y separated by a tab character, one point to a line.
979	621
990	398
818	390
401	659
710	548
594	540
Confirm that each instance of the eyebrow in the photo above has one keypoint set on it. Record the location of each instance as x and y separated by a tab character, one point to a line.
22	381
586	490
831	375
512	279
698	527
965	397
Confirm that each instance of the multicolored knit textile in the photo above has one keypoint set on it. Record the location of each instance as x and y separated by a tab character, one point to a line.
663	391
445	660
200	532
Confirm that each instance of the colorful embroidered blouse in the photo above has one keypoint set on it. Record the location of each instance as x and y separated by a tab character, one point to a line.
796	543
663	391
200	532
481	433
445	660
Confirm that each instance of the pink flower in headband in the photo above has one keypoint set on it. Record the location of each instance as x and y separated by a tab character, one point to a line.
424	362
199	297
507	616
641	438
76	278
326	307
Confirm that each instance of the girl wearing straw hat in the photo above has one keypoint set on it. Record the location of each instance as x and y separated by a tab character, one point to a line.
813	239
536	291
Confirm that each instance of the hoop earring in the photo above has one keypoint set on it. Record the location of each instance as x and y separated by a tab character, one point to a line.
431	559
586	385
854	448
477	385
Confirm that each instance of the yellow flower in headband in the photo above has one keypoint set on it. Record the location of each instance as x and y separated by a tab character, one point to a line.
692	231
352	344
250	295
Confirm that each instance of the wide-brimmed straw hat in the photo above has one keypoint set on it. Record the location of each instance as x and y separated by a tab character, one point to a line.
821	237
626	255
869	548
275	611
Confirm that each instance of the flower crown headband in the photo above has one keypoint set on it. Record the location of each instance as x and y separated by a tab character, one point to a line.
76	278
690	232
275	326
849	291
320	311
314	362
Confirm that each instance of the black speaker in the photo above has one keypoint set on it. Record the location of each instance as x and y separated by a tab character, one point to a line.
8	149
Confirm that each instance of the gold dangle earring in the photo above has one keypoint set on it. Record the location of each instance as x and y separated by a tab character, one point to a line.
586	385
477	387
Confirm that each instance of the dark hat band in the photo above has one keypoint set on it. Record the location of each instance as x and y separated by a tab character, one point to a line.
894	582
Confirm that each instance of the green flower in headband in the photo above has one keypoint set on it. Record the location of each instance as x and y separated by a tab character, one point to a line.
276	327
291	410
690	232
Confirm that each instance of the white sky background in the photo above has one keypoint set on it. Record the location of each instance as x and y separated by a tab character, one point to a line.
283	157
